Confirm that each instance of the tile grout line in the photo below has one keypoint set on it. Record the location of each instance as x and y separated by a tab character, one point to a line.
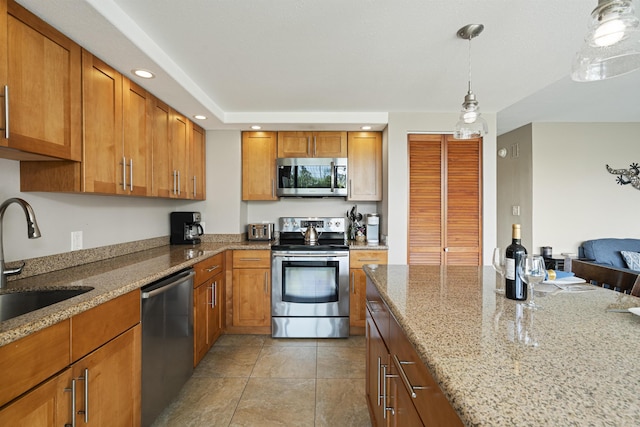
245	384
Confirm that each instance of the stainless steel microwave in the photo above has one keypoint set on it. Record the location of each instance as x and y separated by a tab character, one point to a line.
311	177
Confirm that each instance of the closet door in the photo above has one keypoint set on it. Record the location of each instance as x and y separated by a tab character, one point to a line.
445	200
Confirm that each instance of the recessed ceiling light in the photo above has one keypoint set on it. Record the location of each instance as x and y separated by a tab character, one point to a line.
365	127
256	127
145	74
200	117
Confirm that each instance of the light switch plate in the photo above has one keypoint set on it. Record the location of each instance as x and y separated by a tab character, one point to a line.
76	240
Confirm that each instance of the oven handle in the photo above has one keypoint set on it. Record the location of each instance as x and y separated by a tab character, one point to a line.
323	255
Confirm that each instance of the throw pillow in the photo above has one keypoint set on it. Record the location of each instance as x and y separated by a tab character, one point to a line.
632	259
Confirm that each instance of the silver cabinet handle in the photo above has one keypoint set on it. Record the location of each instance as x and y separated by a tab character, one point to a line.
195	193
273	188
124	173
213	294
85	412
308	146
379	386
410	388
353	282
73	403
266	283
174	181
446	249
315	146
214	267
250	259
384	393
178	183
131	174
6	111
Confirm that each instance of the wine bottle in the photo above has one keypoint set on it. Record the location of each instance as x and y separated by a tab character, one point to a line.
515	288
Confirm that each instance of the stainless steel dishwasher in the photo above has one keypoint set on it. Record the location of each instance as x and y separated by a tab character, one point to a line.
167	341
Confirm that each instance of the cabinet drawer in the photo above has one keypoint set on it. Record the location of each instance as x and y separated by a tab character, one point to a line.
32	359
208	268
359	258
432	405
252	259
378	310
93	328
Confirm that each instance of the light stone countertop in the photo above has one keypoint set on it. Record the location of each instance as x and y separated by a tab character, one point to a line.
110	278
584	370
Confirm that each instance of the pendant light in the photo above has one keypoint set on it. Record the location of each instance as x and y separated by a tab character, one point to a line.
471	123
612	45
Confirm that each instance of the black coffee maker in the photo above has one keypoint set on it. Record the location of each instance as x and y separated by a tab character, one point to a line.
185	228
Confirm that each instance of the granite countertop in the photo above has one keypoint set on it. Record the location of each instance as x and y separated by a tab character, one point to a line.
571	363
110	278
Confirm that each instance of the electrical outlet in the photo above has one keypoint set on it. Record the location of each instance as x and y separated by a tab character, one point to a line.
515	210
76	240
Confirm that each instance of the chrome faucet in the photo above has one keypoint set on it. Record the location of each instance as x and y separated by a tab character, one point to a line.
33	232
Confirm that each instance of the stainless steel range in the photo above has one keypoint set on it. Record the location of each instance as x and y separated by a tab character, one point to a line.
310	282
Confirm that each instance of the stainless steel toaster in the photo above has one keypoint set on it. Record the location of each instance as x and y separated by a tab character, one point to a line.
261	231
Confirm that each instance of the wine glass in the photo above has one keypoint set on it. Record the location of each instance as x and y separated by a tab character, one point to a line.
497	261
531	270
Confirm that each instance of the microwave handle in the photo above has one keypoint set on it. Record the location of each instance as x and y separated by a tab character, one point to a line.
333	176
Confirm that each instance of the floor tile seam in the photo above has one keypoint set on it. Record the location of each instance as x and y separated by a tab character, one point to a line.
246	384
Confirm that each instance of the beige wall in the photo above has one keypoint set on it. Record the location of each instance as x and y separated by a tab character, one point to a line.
515	183
568	193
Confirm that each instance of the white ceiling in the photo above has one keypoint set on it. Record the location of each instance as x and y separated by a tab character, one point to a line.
323	64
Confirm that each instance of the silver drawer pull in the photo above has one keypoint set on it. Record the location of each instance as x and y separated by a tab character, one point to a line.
250	259
410	388
210	269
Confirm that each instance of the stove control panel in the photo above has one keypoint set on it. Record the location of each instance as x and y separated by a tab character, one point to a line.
291	224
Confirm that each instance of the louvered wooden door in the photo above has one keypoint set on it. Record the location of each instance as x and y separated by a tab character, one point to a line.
445	200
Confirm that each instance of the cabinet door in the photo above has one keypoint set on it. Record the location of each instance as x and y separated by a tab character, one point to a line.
197	151
42	70
102	165
180	138
259	166
251	297
47	405
365	165
295	144
214	318
109	382
358	278
136	139
403	413
376	381
329	144
162	177
357	309
200	308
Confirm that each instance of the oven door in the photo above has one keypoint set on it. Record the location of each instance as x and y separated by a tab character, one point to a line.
312	284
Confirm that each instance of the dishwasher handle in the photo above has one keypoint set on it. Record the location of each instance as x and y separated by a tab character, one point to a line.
165	284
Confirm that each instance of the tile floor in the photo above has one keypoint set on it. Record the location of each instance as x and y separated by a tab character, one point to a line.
256	380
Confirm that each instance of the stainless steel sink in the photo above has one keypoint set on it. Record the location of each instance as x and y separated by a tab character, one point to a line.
13	304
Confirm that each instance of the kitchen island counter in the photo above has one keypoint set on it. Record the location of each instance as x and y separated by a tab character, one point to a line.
572	363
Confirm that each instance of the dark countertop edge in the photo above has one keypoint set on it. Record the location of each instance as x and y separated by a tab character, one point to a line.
19	327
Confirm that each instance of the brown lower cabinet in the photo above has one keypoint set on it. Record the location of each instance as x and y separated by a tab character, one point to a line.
358	282
102	358
251	288
400	390
208	298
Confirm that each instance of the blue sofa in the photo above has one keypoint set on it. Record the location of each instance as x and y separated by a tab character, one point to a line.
600	262
607	251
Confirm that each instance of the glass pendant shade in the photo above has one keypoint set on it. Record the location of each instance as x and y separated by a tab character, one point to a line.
471	123
612	45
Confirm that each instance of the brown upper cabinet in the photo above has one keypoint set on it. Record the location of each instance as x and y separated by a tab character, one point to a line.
312	144
365	166
40	78
259	166
197	163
